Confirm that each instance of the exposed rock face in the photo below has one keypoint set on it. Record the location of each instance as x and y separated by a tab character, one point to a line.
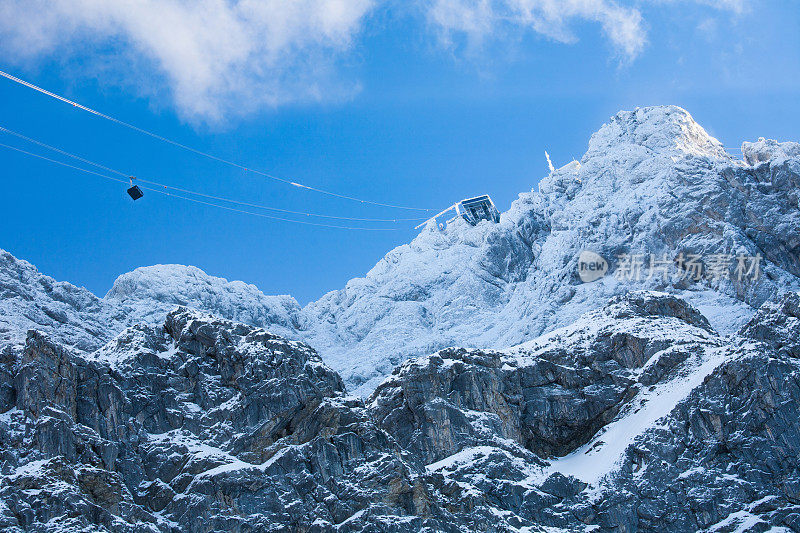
777	323
695	431
203	424
199	425
550	395
729	451
728	455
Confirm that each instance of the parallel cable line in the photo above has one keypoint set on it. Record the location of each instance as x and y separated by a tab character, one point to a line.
199	152
187	191
159	191
20	150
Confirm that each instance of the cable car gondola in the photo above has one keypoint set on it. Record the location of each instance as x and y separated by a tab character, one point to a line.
134	191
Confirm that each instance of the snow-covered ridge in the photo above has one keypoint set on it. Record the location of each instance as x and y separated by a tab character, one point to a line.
31	300
169	286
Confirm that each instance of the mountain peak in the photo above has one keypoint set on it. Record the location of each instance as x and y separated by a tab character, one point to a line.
156	289
662	129
163	280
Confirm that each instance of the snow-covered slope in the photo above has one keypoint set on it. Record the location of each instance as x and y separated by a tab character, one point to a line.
78	318
147	294
651	182
31	300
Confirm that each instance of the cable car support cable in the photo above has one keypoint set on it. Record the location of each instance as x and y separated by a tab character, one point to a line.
209	196
199	152
160	191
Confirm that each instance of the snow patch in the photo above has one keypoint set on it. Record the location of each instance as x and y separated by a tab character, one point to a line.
600	456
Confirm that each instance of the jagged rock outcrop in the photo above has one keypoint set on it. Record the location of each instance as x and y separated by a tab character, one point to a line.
725	459
199	425
203	424
702	434
729	451
777	323
551	395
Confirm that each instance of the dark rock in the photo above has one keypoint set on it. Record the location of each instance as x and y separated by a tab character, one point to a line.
777	323
209	425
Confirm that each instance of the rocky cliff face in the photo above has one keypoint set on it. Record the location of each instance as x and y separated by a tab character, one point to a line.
203	424
176	426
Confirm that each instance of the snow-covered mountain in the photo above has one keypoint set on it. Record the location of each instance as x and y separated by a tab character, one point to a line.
651	182
31	300
665	403
148	294
78	318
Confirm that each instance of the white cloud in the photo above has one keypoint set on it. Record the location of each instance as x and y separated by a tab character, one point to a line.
223	58
219	57
479	20
735	6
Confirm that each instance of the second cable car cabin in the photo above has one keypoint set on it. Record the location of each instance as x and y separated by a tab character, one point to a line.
473	210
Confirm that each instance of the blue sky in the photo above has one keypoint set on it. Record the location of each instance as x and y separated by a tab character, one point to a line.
418	103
